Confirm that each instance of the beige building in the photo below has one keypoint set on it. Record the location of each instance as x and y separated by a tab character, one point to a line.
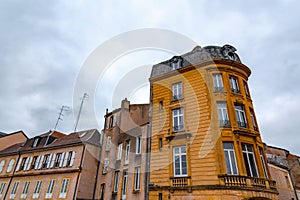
281	165
51	166
7	140
123	169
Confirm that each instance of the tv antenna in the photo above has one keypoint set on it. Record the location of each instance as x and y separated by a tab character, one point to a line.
85	96
62	109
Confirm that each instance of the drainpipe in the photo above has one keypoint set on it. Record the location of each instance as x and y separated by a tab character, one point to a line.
97	172
80	168
12	176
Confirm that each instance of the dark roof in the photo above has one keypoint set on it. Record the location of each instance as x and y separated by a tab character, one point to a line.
2	134
197	55
55	139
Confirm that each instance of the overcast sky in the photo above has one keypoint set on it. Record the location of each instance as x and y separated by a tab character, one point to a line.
45	43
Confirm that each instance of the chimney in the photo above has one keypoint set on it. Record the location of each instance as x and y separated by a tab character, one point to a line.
125	104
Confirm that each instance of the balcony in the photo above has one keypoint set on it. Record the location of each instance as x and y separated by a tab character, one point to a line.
246	181
180	181
242	124
224	123
219	89
178	128
176	97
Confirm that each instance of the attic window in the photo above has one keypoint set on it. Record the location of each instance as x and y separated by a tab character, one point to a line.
35	142
176	63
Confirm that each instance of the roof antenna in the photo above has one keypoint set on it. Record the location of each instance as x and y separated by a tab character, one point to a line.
85	96
63	108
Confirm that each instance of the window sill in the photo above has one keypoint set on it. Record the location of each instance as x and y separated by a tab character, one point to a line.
136	191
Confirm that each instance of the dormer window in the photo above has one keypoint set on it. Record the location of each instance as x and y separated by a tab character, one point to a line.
176	63
36	142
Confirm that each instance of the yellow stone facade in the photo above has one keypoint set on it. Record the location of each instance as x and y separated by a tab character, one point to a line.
188	137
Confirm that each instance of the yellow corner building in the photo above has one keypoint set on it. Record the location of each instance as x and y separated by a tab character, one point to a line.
205	140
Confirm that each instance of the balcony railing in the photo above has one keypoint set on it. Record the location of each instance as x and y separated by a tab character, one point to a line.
178	128
246	181
180	181
176	97
219	89
242	124
224	123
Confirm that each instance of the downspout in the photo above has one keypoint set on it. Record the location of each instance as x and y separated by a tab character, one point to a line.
12	176
80	168
97	172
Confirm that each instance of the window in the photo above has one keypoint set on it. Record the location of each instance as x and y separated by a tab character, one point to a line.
46	161
112	121
25	190
102	189
253	119
230	159
14	190
2	165
138	145
178	121
160	143
35	142
71	158
10	165
64	188
234	84
176	63
58	159
222	114
179	159
249	160
127	152
120	148
261	155
240	116
116	181
33	163
160	196
218	82
246	89
161	105
124	185
40	162
37	190
177	91
137	177
50	189
22	160
105	166
2	186
108	141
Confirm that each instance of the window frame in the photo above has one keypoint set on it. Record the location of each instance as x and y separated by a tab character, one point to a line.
223	111
127	153
232	161
218	82
120	151
253	119
37	189
2	186
180	154
177	91
64	188
234	84
108	143
116	181
10	165
25	189
14	190
177	116
138	146
50	189
247	161
137	178
240	115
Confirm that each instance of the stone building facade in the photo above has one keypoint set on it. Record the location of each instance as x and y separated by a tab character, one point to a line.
51	166
123	170
205	140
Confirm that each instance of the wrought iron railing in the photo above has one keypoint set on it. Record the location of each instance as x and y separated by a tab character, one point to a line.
224	123
178	128
242	124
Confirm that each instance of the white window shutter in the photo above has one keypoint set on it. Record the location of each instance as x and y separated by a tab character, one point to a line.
29	163
49	160
72	159
66	159
52	160
37	162
62	159
41	162
19	164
